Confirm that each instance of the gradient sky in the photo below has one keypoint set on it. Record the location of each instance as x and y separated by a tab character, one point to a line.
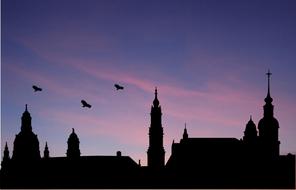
208	59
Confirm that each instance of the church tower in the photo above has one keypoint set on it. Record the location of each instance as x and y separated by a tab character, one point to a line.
155	151
26	144
73	146
268	127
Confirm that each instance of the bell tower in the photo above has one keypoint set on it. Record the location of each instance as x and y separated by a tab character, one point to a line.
156	151
268	127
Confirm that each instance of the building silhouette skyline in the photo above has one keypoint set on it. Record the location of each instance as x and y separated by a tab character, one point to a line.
251	162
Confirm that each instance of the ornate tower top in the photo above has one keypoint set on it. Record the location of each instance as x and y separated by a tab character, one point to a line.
26	121
268	98
155	101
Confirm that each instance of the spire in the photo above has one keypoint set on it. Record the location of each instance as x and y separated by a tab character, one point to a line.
268	98
46	151
6	153
6	148
155	101
26	120
185	134
73	131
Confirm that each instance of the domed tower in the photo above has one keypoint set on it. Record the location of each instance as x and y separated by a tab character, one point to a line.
73	145
156	151
26	144
268	127
250	134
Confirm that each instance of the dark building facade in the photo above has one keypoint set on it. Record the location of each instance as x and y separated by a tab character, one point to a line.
251	162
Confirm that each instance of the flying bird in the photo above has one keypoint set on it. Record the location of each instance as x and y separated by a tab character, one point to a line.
118	87
85	104
36	88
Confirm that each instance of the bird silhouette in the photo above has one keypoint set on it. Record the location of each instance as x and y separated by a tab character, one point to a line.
36	88
118	87
85	104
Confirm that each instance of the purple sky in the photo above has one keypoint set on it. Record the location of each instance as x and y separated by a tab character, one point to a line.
208	59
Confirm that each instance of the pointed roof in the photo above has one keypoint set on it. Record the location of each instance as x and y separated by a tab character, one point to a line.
185	134
26	112
6	147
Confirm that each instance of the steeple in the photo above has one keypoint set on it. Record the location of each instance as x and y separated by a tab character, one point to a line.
26	121
6	157
6	153
46	151
268	126
185	134
155	151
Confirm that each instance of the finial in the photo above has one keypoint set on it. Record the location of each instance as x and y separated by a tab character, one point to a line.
46	145
73	131
6	145
251	117
185	125
155	101
268	99
268	77
26	107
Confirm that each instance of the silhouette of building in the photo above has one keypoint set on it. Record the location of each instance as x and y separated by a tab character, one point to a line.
73	146
46	151
26	144
250	162
156	151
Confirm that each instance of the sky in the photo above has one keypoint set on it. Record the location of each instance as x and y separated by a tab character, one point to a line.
207	58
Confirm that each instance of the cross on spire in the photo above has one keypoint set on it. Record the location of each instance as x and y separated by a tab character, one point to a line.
268	76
